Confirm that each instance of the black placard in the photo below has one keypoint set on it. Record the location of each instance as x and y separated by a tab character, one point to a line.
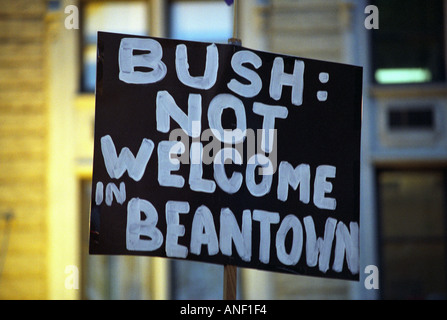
284	199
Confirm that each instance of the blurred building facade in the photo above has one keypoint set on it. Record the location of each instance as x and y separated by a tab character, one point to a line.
46	143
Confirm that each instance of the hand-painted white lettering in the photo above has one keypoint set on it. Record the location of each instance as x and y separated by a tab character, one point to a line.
141	231
255	83
322	95
142	234
120	194
265	218
140	62
174	229
290	222
323	77
262	188
215	111
270	113
300	176
203	232
166	164
116	166
349	243
127	61
233	184
99	193
167	109
279	79
196	181
204	82
322	186
231	233
319	250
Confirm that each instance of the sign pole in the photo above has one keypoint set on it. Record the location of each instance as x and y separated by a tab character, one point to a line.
230	272
235	39
230	282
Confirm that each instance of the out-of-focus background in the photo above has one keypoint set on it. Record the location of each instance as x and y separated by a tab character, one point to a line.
47	81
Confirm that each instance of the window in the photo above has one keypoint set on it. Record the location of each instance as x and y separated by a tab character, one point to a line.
413	207
411	118
210	21
409	45
114	16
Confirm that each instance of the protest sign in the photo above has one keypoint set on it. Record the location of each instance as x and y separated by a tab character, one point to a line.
222	154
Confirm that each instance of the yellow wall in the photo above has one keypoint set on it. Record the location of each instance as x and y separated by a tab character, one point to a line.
38	180
63	203
46	147
23	148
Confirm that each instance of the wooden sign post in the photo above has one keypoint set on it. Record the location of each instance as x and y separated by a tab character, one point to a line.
230	282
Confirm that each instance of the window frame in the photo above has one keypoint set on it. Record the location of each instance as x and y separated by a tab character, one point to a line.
151	24
377	87
409	168
169	5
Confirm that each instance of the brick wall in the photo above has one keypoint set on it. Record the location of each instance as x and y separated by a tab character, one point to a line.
307	28
23	148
